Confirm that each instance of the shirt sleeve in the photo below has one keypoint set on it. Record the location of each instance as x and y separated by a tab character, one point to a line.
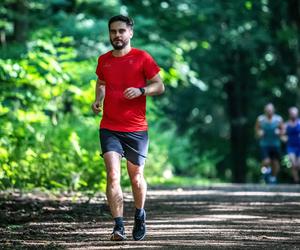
260	119
150	67
279	118
99	72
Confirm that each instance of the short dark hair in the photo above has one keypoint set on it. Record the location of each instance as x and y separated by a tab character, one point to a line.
121	18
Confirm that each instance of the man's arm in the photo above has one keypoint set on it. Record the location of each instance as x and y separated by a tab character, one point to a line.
258	131
281	130
155	87
282	127
284	136
99	96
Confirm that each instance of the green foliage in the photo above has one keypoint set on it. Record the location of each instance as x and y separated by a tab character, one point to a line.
231	58
47	139
180	181
221	62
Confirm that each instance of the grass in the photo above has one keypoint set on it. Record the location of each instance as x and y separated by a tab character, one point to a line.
181	181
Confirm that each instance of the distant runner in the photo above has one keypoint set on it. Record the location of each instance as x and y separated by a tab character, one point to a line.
269	127
292	130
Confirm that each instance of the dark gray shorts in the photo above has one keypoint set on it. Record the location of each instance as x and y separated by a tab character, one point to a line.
131	145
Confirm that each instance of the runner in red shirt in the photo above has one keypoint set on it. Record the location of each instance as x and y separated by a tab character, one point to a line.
126	76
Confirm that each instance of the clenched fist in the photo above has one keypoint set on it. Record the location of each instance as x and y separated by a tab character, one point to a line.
131	93
96	107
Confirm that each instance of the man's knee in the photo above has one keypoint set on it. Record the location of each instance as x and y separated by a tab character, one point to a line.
266	162
113	178
137	180
275	162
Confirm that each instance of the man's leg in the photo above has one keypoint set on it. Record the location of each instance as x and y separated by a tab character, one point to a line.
266	162
139	189
295	161
275	164
266	169
275	167
114	192
138	184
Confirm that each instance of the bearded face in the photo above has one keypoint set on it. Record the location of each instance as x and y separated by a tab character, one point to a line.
120	35
119	44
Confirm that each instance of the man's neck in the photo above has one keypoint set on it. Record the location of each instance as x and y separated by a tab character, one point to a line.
269	117
122	52
293	119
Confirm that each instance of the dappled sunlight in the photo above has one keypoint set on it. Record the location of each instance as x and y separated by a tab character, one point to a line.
178	194
57	224
176	219
261	194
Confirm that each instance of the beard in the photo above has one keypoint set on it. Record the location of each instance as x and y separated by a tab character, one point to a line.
119	44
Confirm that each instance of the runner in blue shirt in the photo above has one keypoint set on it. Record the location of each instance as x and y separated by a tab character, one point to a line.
292	131
269	128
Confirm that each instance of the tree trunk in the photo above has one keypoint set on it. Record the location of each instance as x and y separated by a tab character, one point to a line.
237	93
294	16
20	21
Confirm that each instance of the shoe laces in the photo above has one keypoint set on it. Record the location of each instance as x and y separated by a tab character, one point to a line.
118	228
140	222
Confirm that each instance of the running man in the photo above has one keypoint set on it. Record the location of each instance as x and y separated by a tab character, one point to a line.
292	131
269	128
126	75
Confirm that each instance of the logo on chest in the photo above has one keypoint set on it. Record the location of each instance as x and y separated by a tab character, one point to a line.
106	65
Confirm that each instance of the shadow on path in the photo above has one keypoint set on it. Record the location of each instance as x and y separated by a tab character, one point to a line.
215	217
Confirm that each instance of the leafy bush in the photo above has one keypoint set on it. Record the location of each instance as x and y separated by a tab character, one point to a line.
48	137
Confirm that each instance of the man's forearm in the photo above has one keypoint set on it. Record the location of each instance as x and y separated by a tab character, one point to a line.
99	92
154	88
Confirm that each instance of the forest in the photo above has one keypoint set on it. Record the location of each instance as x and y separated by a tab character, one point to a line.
221	62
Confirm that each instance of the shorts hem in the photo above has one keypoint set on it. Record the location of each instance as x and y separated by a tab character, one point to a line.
102	154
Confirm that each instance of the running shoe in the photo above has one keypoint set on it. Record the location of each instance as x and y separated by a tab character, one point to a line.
266	173
272	180
118	234
139	229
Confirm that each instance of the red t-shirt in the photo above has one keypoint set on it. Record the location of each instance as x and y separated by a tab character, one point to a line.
120	73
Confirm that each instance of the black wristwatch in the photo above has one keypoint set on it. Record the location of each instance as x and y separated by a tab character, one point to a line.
142	91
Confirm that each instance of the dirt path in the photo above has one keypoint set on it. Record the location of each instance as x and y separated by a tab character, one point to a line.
218	217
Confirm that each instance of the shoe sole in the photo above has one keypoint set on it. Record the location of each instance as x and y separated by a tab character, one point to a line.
139	238
117	237
145	230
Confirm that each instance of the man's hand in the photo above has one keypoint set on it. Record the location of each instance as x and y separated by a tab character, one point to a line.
260	133
96	107
132	93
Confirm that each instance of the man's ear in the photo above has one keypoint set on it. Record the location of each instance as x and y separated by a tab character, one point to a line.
131	33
